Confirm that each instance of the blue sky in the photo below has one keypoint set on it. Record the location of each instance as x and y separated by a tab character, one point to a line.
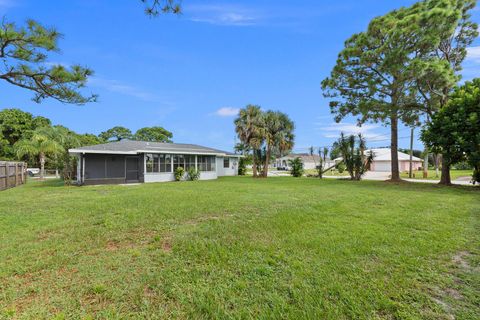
191	73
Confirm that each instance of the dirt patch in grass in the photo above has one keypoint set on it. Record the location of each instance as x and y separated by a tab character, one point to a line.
460	260
167	244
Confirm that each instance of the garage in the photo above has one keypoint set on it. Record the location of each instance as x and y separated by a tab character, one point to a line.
382	166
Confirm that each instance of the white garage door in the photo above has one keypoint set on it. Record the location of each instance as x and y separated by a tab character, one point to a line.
383	166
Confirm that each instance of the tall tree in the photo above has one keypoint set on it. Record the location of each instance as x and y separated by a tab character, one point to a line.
249	128
116	134
454	129
374	78
40	145
153	134
278	133
24	53
438	79
16	124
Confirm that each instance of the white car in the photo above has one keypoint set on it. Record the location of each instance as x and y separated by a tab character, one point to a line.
33	171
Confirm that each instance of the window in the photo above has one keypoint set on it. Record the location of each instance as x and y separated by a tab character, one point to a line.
206	163
165	163
189	162
158	163
226	162
155	163
178	161
149	161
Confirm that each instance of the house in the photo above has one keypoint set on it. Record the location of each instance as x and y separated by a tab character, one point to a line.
128	161
382	161
309	161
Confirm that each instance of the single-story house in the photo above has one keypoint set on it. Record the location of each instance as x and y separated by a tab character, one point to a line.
382	160
309	161
128	161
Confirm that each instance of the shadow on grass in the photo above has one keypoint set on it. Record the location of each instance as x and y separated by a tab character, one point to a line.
35	183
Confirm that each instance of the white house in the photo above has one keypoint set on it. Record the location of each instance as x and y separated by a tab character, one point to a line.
128	161
382	160
309	161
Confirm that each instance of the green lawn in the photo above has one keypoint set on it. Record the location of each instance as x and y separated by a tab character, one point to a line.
240	248
454	174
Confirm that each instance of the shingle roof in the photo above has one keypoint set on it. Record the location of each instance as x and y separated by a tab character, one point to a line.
134	147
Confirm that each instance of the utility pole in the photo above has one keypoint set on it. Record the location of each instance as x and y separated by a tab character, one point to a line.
411	154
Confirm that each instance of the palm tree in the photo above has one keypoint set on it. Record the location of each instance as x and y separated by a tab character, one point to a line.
352	150
278	133
40	144
248	126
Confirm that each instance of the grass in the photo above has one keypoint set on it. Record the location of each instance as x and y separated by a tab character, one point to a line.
328	173
454	174
240	248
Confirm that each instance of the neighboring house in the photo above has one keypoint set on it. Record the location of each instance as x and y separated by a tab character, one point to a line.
130	161
382	161
309	161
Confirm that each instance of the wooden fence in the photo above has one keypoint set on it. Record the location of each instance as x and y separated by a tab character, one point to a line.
12	174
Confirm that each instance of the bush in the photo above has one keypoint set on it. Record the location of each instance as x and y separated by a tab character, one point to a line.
297	167
340	167
193	174
464	165
242	167
179	173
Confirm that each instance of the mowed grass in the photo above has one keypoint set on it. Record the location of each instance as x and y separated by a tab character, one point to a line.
454	174
240	247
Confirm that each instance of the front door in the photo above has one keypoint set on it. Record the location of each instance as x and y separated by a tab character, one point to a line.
132	169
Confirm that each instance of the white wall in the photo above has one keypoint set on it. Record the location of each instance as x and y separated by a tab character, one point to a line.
232	170
165	177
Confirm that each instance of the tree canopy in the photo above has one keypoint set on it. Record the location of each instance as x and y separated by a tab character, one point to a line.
16	124
154	134
24	54
454	130
156	7
116	134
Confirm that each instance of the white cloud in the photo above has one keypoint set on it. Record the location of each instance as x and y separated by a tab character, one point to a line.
334	129
227	112
227	15
473	54
124	89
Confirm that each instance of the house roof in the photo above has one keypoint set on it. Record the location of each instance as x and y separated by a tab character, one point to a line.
306	157
384	154
135	147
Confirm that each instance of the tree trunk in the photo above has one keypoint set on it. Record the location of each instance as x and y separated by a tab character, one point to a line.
394	147
254	164
42	166
410	168
445	179
267	162
425	164
436	164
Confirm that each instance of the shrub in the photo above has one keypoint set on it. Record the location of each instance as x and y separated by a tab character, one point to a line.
179	173
193	174
340	167
297	167
242	167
